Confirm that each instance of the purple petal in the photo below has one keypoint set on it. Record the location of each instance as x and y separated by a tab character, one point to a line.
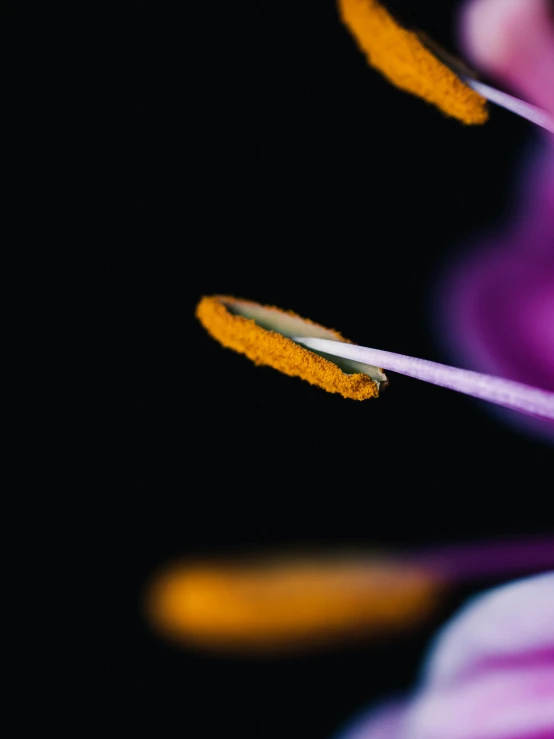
499	704
502	309
498	301
490	674
381	722
501	558
513	40
511	626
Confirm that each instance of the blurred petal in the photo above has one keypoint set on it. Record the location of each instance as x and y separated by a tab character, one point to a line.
381	722
513	40
497	301
502	312
490	558
490	674
510	627
515	703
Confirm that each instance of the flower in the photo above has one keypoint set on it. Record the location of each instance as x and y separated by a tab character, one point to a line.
497	299
490	674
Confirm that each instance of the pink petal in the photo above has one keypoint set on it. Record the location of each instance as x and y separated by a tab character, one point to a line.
381	722
490	674
513	40
513	703
511	626
497	301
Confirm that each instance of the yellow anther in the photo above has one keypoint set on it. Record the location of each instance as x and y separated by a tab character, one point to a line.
404	60
263	334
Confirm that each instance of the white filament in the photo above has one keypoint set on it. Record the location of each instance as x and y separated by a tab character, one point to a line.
510	394
530	112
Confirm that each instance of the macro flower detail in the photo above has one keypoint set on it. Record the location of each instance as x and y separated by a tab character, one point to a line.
490	674
497	298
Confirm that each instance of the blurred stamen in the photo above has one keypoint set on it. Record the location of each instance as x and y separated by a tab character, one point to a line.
290	602
302	601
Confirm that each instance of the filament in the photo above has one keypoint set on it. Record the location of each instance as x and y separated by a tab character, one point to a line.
508	393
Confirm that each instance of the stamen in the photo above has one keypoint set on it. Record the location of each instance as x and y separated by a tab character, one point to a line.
507	393
268	605
530	112
404	60
263	334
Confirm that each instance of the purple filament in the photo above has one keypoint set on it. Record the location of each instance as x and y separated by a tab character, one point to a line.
468	562
507	393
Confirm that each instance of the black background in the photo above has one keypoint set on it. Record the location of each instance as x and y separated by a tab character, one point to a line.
247	149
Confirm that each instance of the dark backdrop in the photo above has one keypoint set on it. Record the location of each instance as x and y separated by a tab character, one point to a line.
246	148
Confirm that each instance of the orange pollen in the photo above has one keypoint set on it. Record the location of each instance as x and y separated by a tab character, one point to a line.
289	603
263	334
405	61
